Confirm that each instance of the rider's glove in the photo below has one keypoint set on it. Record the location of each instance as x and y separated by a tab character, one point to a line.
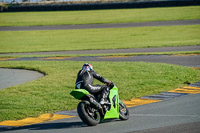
111	84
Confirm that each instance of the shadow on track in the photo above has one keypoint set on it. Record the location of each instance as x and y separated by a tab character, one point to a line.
46	126
54	126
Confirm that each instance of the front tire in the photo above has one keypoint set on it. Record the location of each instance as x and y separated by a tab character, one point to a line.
88	114
123	111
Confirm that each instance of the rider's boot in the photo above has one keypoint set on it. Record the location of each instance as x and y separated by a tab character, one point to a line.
104	99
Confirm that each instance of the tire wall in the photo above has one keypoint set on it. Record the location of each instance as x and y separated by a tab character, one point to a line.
98	6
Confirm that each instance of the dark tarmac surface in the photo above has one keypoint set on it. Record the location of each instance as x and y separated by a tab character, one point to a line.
192	61
97	26
184	60
112	51
178	115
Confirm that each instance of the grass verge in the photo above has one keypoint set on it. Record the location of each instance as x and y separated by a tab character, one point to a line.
99	16
116	38
51	93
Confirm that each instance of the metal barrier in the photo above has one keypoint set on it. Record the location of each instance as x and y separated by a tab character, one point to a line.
96	6
71	1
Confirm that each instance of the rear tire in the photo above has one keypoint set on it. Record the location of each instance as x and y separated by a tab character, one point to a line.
123	111
88	114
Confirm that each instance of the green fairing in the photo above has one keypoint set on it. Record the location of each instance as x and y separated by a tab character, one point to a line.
79	93
114	111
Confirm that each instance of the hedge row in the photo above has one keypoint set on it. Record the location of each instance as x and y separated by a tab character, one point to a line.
96	6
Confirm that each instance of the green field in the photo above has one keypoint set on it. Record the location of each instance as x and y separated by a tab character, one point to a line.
51	93
99	16
59	40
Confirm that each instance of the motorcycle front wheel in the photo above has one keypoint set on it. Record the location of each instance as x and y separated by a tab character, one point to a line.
88	114
123	111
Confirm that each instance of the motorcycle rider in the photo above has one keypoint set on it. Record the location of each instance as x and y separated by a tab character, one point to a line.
85	80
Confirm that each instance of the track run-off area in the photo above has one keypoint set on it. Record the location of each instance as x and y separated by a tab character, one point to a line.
173	111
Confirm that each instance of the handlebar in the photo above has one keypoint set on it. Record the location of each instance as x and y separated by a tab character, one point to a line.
110	85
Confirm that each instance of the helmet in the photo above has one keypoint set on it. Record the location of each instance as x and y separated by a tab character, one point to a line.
87	67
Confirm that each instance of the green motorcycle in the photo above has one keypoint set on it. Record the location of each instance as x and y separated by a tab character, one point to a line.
91	115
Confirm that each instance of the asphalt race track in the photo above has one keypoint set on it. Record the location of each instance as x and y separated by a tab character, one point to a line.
11	77
112	51
178	115
97	26
174	115
185	60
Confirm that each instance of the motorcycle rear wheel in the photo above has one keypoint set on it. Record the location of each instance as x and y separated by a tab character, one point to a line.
123	111
88	114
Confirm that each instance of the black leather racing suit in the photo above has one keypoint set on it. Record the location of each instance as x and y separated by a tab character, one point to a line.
85	80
